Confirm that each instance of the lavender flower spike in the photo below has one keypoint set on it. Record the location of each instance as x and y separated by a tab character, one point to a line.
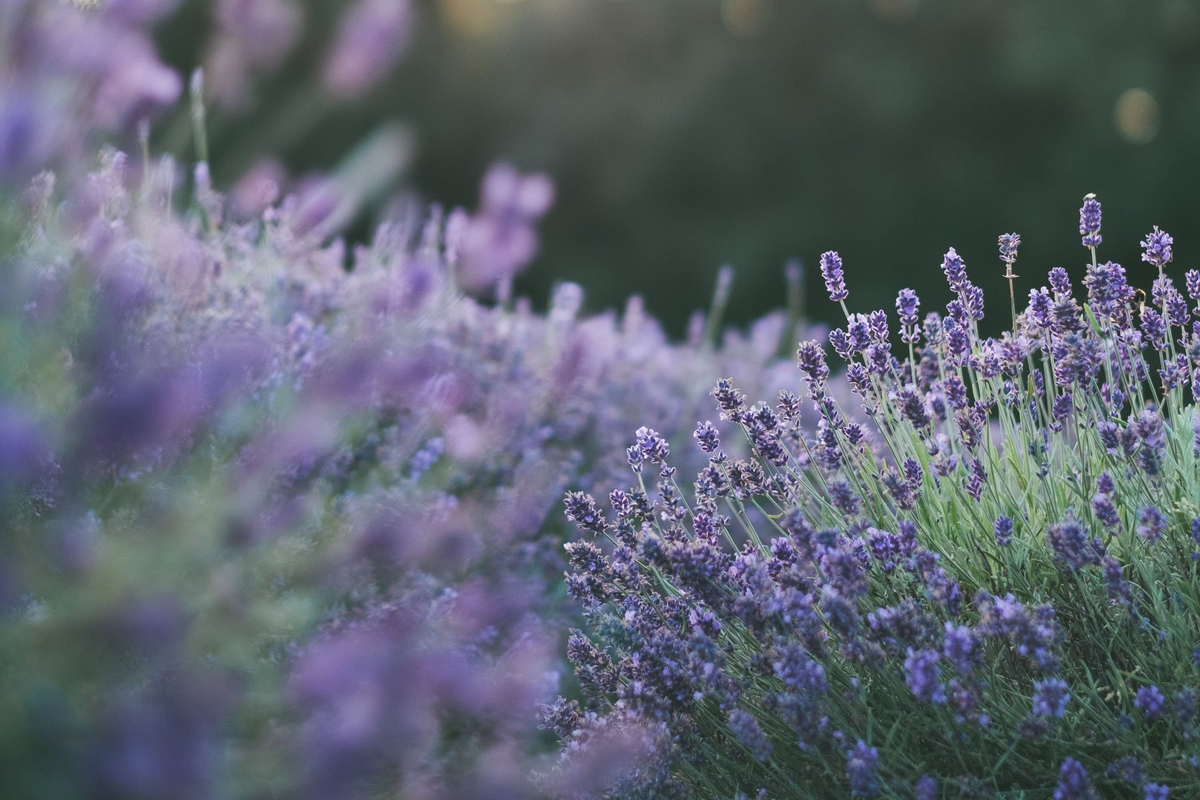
835	277
1073	782
1009	242
955	269
1156	248
1089	221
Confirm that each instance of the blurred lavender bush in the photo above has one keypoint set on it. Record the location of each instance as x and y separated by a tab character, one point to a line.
276	527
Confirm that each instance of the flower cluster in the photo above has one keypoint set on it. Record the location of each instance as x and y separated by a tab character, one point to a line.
973	581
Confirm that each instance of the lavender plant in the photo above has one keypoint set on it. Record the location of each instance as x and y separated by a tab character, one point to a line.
989	589
278	512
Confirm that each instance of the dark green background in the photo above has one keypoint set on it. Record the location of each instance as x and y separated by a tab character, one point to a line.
678	145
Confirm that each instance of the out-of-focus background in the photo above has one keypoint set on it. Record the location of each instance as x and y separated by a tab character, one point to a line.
685	134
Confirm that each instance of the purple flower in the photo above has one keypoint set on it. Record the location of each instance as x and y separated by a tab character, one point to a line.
925	788
582	510
1070	543
1150	524
973	301
955	269
1155	791
1191	282
1108	291
843	498
1033	635
747	731
1147	435
653	448
1050	697
907	307
1060	282
1105	510
372	37
921	675
1003	529
811	359
961	648
835	278
1089	221
1073	782
1150	700
862	770
1009	242
1156	248
707	437
799	672
28	134
499	240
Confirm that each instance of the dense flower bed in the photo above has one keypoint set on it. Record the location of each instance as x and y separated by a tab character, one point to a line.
990	590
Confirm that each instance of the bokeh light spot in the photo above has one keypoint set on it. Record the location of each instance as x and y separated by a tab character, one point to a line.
1136	116
744	17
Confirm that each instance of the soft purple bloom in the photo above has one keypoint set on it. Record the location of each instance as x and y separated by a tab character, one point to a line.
1191	282
862	770
1156	248
921	675
955	269
1009	242
500	239
264	29
1105	510
1150	701
835	277
654	448
29	133
1156	791
707	436
747	731
907	307
925	788
1034	635
1108	291
811	359
1089	221
1050	697
1151	524
961	648
1071	544
1003	530
371	38
1073	782
581	509
1060	282
973	301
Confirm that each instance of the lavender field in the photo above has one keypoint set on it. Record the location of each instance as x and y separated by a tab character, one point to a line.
303	497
